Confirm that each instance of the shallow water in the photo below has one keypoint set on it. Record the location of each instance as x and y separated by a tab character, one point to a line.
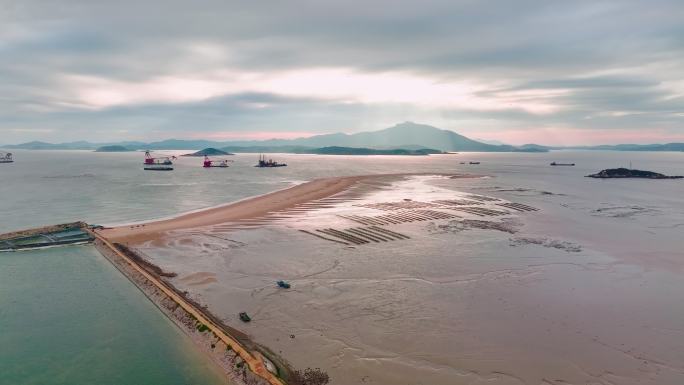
68	317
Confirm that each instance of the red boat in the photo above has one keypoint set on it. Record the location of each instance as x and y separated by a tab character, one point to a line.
162	163
222	163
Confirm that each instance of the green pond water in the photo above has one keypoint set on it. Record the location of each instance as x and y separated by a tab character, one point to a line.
67	316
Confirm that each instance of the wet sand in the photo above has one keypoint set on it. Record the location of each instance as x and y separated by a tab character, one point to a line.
495	293
245	209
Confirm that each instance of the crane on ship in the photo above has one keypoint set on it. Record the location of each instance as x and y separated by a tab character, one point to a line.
159	162
6	157
208	162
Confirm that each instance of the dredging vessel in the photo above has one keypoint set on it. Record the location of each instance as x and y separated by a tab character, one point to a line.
268	163
163	163
6	157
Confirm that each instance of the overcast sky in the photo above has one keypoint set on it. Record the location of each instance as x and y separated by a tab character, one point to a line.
518	71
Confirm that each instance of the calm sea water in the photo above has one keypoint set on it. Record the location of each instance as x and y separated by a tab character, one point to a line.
47	187
68	317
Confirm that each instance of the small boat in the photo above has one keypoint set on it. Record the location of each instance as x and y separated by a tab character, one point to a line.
222	163
474	162
268	163
157	164
283	284
244	317
6	157
562	164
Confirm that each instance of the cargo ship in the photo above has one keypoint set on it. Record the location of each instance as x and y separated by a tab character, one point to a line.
163	163
562	164
6	157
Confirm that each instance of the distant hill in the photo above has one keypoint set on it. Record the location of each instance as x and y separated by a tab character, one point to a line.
336	150
267	149
36	145
177	144
113	148
209	152
407	135
80	145
404	135
635	147
534	148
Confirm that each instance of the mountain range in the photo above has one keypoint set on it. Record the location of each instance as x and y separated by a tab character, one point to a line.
407	136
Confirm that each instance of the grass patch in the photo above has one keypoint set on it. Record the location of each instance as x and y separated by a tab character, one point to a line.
202	328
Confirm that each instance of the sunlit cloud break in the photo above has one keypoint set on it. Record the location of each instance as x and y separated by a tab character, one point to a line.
340	85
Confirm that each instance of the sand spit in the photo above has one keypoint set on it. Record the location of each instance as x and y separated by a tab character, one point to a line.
244	210
242	366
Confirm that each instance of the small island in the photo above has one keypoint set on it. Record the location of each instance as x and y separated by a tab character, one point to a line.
209	152
627	173
114	148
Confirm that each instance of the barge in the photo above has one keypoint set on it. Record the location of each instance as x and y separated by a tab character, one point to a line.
561	164
65	234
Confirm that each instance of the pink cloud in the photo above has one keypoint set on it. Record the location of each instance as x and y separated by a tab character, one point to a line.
558	136
246	135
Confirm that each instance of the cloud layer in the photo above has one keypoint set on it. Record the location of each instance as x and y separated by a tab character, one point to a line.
519	71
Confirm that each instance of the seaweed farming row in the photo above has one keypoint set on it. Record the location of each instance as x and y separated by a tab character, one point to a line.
399	217
518	206
481	211
357	235
458	202
402	205
408	211
482	198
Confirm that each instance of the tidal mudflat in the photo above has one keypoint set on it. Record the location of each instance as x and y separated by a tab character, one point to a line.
441	280
579	290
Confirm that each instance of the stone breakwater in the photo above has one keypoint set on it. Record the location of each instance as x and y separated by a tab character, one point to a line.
221	353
